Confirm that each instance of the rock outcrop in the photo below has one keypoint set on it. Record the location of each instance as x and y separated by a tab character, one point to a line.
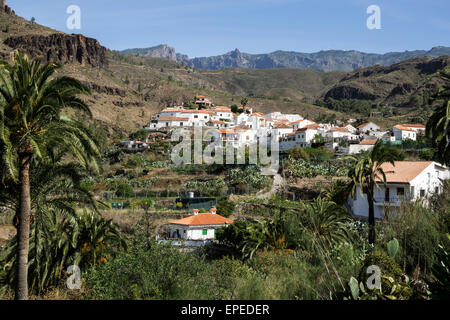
62	48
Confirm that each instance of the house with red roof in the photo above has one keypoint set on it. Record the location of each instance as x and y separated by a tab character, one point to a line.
402	133
199	226
405	181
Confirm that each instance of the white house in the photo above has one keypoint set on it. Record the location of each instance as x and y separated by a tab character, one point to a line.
350	128
222	114
203	101
406	181
281	129
365	145
369	126
302	138
418	128
302	124
402	133
199	226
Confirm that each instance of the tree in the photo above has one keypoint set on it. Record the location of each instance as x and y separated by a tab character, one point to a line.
438	126
244	101
366	171
33	20
234	108
32	126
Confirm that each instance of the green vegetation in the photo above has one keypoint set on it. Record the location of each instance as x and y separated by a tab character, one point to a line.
365	173
32	127
275	249
438	126
300	168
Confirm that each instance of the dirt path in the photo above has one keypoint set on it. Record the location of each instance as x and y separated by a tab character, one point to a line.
278	184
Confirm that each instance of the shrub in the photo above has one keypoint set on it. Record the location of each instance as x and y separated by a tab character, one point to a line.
152	271
307	169
417	230
124	190
225	208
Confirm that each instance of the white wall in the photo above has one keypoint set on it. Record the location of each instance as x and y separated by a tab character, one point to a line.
194	232
428	181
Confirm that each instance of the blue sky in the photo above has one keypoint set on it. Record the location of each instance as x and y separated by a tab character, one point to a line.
211	27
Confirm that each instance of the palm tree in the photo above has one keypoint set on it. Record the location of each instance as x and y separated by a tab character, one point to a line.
324	223
438	126
31	127
367	171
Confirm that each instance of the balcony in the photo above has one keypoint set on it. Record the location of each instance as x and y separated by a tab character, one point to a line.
394	201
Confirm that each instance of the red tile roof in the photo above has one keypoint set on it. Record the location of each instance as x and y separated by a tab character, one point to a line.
368	142
413	126
203	219
402	128
172	119
403	171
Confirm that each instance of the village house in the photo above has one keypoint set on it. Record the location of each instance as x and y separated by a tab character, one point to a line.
350	128
405	181
302	138
355	148
368	127
418	128
299	124
402	133
199	226
203	101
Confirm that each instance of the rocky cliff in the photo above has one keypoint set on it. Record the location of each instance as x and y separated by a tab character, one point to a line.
61	48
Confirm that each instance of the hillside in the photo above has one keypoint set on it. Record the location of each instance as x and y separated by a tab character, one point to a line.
404	84
112	102
128	89
324	61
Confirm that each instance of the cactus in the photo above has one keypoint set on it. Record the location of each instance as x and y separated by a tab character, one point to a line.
392	248
354	288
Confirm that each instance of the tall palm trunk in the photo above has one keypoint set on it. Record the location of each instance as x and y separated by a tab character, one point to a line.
371	214
23	231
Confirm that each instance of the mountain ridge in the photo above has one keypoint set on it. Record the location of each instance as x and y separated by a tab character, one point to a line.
324	60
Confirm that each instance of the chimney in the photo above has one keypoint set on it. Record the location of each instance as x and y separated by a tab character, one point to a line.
213	210
196	211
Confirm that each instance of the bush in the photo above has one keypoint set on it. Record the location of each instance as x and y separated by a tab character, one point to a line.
225	208
417	230
393	286
248	176
151	271
124	191
300	168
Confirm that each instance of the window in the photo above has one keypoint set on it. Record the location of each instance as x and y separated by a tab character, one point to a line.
386	195
436	190
195	117
400	191
422	193
205	232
